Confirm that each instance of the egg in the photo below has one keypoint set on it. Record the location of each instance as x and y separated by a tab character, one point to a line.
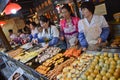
90	78
69	75
105	54
80	79
106	58
101	60
59	76
83	77
106	66
116	75
117	70
118	78
111	71
111	59
72	71
110	55
108	74
101	64
116	55
118	66
96	71
118	62
112	67
116	58
77	71
97	67
90	70
99	76
102	73
104	69
101	57
87	73
112	78
74	79
97	57
105	78
107	62
73	75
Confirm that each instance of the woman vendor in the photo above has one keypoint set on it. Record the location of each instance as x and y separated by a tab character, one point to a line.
33	29
93	29
69	27
49	33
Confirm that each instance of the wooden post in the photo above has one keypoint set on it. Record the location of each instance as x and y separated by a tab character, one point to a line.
4	40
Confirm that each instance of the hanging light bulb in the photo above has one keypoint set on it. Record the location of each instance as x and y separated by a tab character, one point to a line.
12	8
13	11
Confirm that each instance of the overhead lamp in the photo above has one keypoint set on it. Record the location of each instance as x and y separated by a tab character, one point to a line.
12	8
2	23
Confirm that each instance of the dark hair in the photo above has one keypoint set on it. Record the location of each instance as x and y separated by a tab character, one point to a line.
20	31
10	30
89	5
33	23
27	22
45	19
66	6
26	30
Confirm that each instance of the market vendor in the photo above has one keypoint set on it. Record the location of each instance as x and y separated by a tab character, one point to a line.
93	29
49	33
33	29
69	26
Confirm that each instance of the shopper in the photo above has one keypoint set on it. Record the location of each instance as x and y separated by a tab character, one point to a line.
49	33
69	27
13	37
22	37
93	29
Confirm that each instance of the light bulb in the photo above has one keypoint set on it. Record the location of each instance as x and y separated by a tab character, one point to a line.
13	11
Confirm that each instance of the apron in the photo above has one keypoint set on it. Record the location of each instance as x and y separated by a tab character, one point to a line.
92	33
70	34
46	35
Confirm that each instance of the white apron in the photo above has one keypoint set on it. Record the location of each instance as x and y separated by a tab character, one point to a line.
92	32
70	39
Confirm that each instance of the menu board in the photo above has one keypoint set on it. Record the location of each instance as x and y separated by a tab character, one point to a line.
100	9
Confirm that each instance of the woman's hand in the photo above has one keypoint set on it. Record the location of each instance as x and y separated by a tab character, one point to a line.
99	41
84	49
76	41
62	38
35	41
46	46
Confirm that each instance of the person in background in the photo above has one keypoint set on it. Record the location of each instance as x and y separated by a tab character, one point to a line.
69	27
93	29
21	36
13	37
49	33
33	29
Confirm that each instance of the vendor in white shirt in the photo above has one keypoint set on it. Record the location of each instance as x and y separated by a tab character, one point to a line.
93	29
49	34
33	29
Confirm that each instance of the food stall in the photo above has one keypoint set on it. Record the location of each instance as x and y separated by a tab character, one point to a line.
56	64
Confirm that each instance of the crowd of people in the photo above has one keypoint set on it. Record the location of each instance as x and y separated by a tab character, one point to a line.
88	32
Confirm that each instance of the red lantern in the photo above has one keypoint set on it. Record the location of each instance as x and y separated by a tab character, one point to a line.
2	23
12	8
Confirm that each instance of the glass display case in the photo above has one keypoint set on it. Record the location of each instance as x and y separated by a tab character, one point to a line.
11	69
